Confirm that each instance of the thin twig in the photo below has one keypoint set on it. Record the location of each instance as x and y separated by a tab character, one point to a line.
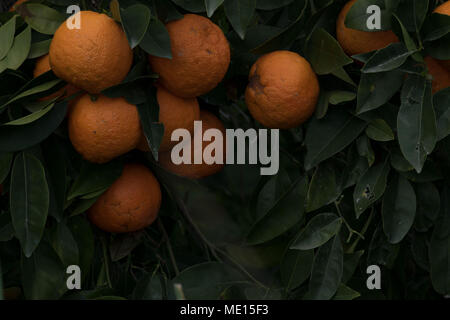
169	246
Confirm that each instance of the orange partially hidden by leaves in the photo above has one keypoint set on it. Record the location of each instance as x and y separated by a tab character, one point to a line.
174	113
103	129
444	9
41	67
200	57
95	56
16	4
356	41
441	76
130	204
283	90
197	171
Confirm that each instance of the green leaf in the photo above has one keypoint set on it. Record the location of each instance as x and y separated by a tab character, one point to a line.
95	177
357	16
240	13
135	21
379	130
7	31
323	189
43	275
18	52
345	293
327	270
271	5
156	40
381	251
38	49
81	231
64	244
441	101
376	89
149	115
370	187
5	165
412	14
287	212
318	231
29	201
296	267
351	262
416	123
439	249
211	6
387	59
365	149
330	135
31	117
399	209
15	138
324	53
285	37
43	19
35	90
436	26
195	6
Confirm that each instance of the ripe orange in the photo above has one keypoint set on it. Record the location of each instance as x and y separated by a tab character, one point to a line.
444	9
42	66
196	171
283	90
130	204
94	57
200	57
441	76
174	113
103	129
356	41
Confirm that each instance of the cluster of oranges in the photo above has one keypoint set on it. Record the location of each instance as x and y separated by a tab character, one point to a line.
357	42
97	56
282	93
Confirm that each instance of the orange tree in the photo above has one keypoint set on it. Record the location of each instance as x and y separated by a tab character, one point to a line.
364	149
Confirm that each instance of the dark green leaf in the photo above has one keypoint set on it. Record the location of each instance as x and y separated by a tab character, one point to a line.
327	270
288	211
7	36
135	21
416	121
318	231
370	187
156	40
379	130
330	135
29	201
387	59
240	13
399	209
296	267
43	19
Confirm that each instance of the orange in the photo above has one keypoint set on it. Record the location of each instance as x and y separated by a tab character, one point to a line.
103	129
41	67
200	57
444	9
283	90
15	5
196	171
441	76
94	57
174	113
130	204
356	41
